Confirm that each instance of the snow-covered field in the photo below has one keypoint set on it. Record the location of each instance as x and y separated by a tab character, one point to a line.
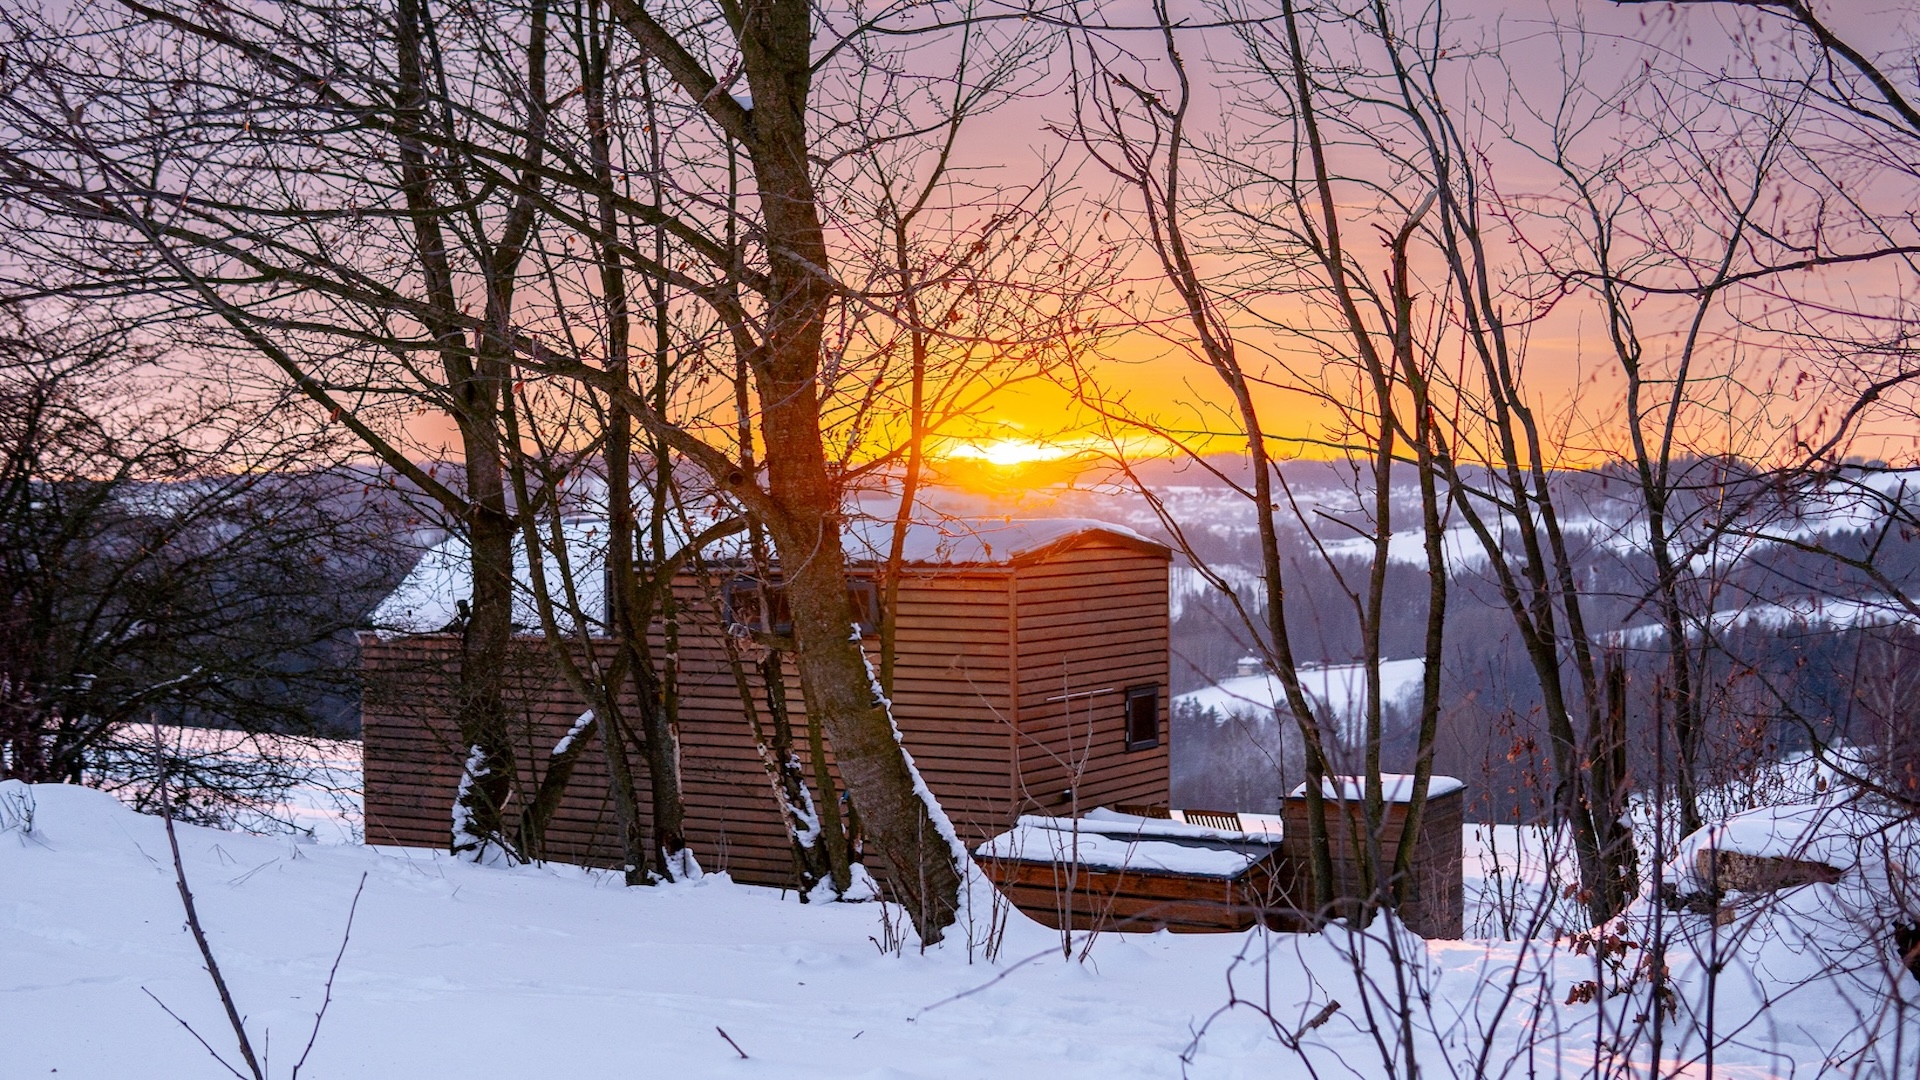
456	970
1341	689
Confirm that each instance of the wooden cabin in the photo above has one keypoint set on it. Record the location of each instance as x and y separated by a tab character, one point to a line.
1031	677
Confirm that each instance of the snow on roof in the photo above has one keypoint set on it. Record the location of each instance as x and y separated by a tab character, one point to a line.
428	599
1843	832
1106	840
1115	823
975	542
1394	787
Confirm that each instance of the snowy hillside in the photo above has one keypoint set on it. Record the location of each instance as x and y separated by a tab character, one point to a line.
453	970
1339	689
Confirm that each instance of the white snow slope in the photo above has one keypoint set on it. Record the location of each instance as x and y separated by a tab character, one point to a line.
459	971
1341	689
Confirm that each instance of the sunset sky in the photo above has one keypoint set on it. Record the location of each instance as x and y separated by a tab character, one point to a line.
1036	432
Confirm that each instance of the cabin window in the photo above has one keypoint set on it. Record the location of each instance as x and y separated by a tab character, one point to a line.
864	598
752	605
1143	717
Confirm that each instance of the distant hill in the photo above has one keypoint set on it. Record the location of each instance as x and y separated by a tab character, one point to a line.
1782	629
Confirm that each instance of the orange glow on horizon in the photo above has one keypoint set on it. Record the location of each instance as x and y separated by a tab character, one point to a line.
1008	452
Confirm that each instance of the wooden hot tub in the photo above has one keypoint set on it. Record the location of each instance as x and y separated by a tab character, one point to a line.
1114	871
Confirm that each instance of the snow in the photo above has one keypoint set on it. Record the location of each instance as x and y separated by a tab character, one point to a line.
458	970
860	885
1460	547
461	970
1857	503
1339	688
1114	823
682	866
578	729
1185	583
806	816
326	803
972	541
428	599
308	787
1803	612
484	850
1516	882
1854	839
936	813
1394	787
1109	840
1058	840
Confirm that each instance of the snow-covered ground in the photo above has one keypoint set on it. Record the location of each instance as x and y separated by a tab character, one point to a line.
1809	613
1341	689
456	970
325	799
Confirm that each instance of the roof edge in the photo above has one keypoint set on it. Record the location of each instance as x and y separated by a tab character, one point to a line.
1085	538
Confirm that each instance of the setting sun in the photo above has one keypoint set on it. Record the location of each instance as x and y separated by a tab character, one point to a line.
1008	452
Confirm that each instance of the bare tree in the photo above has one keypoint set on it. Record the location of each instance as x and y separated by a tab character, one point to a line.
367	229
1216	199
336	260
174	547
1845	144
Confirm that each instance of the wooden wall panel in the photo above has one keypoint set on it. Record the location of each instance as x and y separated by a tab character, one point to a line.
952	700
1090	619
1435	904
951	688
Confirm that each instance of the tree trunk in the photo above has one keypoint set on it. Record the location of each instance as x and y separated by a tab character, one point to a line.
802	498
488	627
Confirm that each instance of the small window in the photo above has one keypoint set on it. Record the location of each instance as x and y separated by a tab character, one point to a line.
1143	717
752	605
756	606
864	598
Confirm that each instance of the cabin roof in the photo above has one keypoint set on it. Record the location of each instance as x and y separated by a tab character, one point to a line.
1116	842
428	599
986	542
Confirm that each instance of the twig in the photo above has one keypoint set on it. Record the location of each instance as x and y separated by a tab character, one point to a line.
730	1042
326	998
192	1032
1325	1014
199	935
1010	969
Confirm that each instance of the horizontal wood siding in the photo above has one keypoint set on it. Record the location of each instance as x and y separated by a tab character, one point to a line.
1435	905
1093	618
1061	894
1094	614
951	693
